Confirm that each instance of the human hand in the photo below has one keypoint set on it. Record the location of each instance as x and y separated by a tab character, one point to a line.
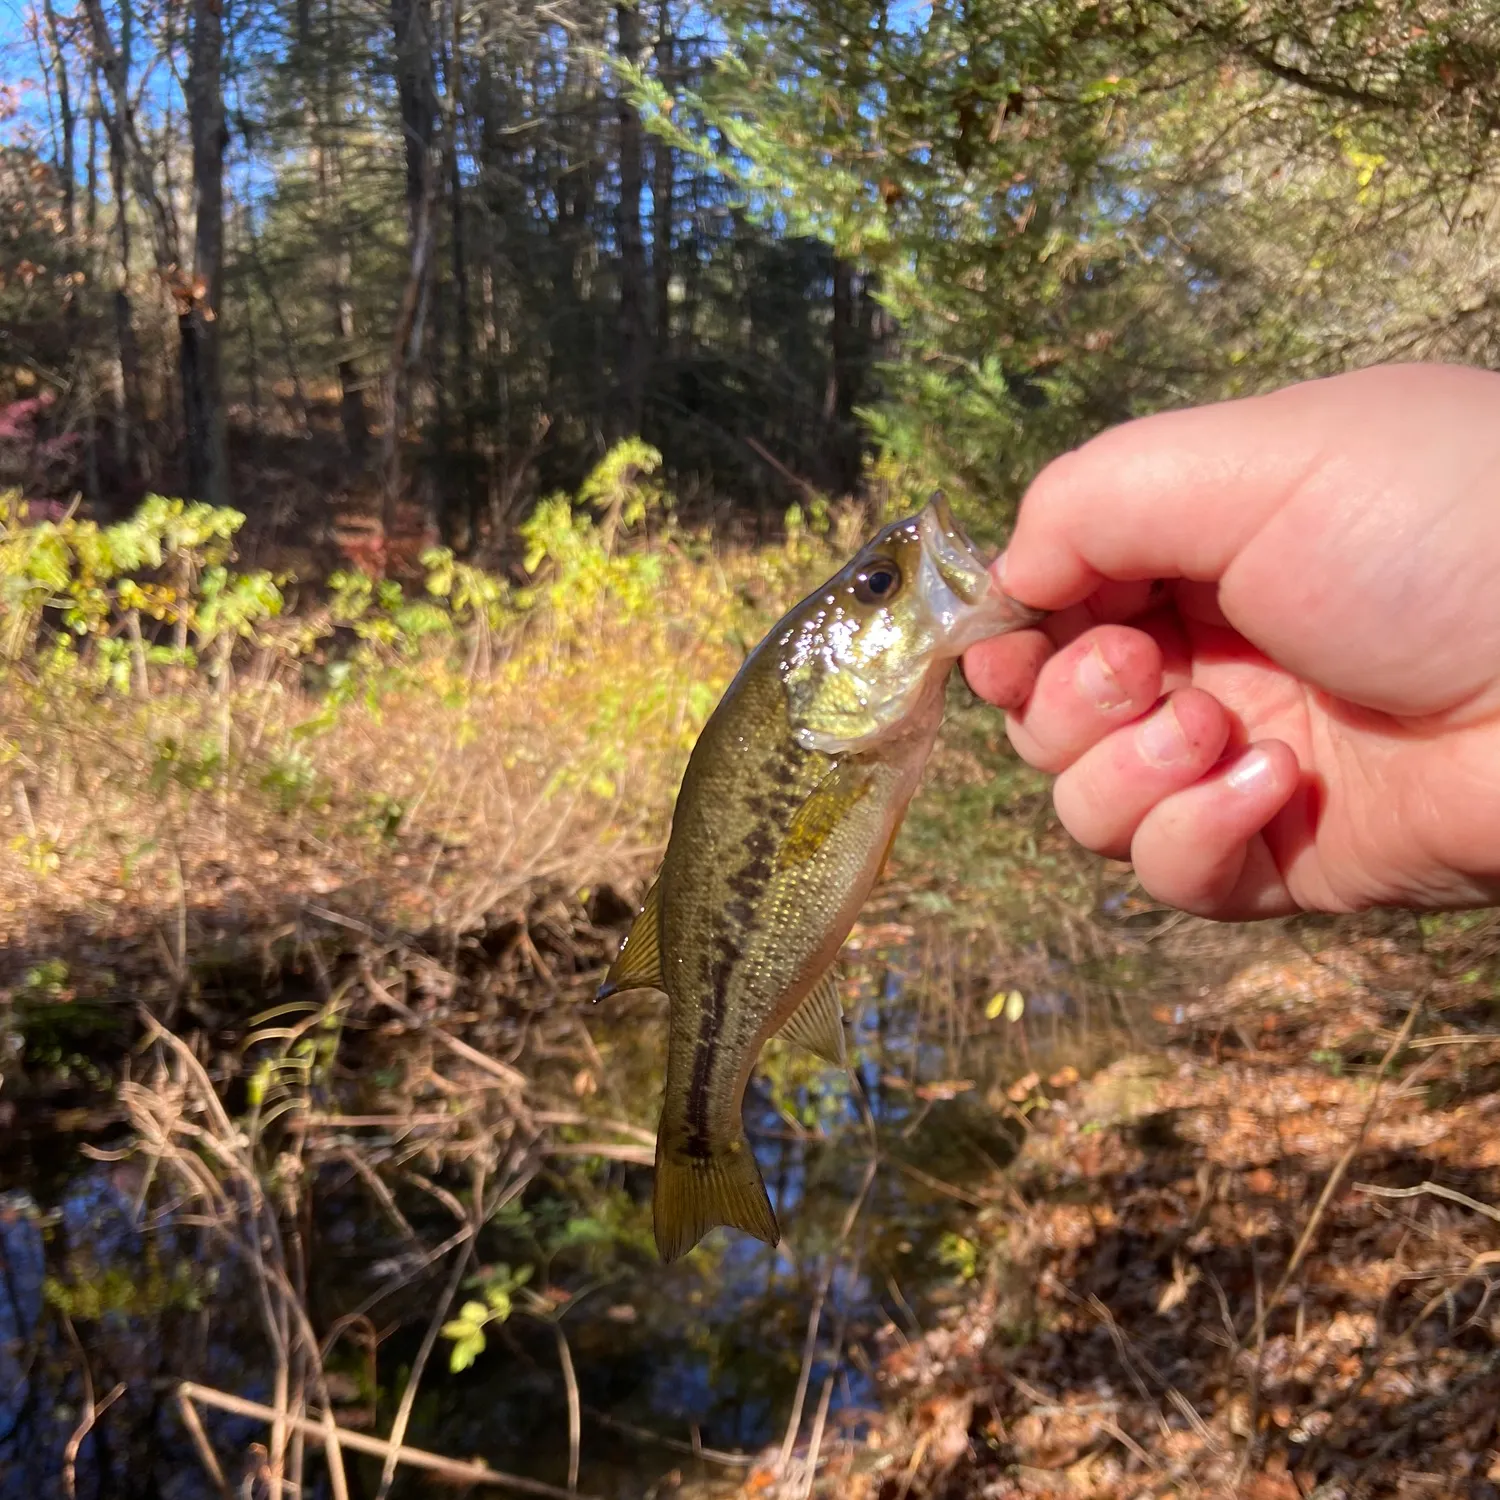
1312	579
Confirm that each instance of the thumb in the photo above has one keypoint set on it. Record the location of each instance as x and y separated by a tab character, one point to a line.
1343	524
1183	493
1177	495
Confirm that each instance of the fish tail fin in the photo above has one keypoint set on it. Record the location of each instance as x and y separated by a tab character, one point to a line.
692	1196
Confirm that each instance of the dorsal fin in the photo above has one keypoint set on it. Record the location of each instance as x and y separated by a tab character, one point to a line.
818	1023
637	965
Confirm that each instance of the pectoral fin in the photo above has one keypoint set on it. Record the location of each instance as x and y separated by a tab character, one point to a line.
830	802
818	1023
637	965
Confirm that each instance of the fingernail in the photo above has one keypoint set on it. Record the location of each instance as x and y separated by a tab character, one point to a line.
1161	739
1098	683
1250	772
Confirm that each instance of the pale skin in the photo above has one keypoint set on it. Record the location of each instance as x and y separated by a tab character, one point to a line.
1273	681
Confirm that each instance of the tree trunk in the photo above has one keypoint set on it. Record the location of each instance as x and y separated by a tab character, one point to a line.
198	306
252	340
411	26
843	377
67	125
114	68
353	420
416	93
91	227
460	529
406	349
663	183
131	449
494	388
625	418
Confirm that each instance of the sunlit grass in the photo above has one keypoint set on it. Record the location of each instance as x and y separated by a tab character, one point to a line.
174	742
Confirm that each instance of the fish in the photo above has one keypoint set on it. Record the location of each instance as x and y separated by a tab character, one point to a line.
792	797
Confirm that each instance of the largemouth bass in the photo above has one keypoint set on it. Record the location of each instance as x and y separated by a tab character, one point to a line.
790	802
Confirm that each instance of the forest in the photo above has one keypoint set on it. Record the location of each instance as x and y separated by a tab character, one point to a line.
411	413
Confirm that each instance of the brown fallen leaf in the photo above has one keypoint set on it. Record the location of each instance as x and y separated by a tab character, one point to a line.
947	1088
1022	1087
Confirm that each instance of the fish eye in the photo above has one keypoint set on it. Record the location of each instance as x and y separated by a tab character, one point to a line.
878	583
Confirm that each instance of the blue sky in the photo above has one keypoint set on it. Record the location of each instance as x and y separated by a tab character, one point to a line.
18	62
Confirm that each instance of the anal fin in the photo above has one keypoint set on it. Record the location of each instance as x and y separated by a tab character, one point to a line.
818	1023
693	1196
637	965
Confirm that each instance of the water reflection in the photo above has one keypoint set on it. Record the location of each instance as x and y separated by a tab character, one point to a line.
705	1352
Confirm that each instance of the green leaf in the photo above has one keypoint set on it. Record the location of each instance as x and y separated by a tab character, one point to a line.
466	1349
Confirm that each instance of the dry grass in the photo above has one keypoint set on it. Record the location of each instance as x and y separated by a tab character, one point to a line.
448	780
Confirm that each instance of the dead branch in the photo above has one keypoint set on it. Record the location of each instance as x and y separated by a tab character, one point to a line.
429	1339
815	1316
206	1455
507	1075
1436	1190
320	1431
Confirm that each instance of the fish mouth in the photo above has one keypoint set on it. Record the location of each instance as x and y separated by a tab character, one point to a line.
960	590
954	556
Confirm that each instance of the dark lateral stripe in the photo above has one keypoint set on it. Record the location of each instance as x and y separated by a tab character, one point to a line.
705	1050
741	920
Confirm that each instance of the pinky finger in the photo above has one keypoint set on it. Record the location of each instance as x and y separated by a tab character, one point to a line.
1201	849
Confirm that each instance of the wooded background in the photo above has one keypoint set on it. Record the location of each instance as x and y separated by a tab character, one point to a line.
429	258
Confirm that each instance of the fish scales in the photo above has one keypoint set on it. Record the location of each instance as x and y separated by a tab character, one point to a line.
751	929
791	799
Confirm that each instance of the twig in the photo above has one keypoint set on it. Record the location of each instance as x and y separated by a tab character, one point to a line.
1331	1187
763	453
1118	1433
429	1339
457	1470
229	1146
575	1419
638	1156
1459	1039
383	1195
1436	1189
646	1435
810	1343
1122	1348
206	1455
937	1185
500	1070
577	1117
93	1410
815	1441
387	1288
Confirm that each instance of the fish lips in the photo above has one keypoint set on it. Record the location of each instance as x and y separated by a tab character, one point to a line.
963	599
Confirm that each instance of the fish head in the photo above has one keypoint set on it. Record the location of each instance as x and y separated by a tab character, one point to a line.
856	655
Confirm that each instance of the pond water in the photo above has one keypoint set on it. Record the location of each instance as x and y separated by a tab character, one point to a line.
707	1353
